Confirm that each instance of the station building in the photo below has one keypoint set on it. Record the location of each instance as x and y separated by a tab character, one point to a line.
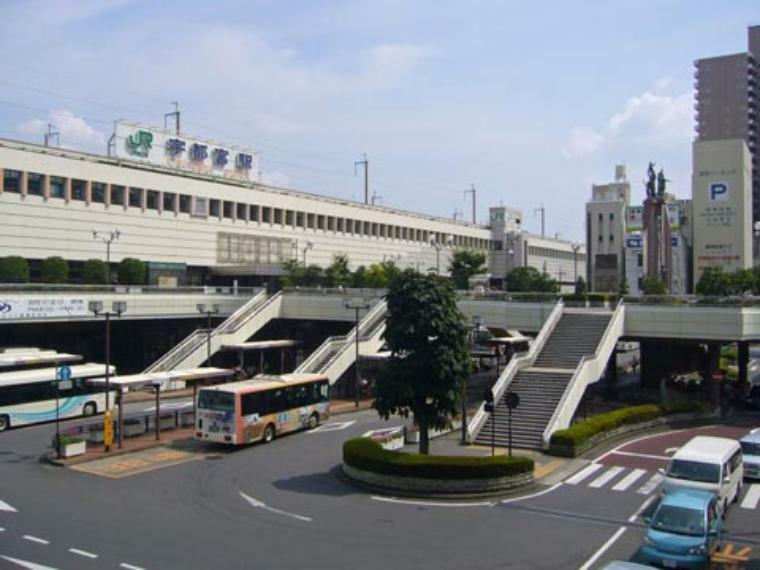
196	211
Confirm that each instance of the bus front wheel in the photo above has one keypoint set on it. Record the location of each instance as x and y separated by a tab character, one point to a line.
268	433
90	409
313	420
4	423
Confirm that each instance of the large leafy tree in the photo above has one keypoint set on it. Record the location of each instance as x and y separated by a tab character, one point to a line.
714	282
95	272
429	363
14	269
54	270
338	273
464	264
293	276
653	286
529	279
131	271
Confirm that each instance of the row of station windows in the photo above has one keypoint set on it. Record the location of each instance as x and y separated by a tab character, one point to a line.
73	189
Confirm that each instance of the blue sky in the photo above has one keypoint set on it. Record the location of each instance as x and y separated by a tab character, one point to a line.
530	101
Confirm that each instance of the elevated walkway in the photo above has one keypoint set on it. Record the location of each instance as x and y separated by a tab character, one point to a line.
552	377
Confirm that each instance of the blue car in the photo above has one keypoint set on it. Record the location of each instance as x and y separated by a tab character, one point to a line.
684	531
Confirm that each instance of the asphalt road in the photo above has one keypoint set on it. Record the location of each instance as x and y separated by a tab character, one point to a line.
281	505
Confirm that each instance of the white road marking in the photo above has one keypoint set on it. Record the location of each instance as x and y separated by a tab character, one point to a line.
544	492
590	562
636	440
670	450
583	473
2	529
259	504
129	566
25	564
605	477
35	539
336	426
640	510
82	553
644	455
431	503
651	484
752	497
6	507
374	431
629	480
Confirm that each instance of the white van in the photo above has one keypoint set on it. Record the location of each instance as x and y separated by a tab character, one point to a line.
708	463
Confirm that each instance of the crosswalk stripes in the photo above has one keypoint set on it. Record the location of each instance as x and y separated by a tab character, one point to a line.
629	480
651	484
583	473
751	497
605	477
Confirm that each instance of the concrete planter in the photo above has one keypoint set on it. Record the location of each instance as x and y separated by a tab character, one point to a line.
133	428
575	451
73	449
444	487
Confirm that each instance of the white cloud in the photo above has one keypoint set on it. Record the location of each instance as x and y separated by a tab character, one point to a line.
582	141
74	132
389	63
652	118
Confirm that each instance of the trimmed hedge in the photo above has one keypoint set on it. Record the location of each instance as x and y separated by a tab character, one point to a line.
368	455
578	433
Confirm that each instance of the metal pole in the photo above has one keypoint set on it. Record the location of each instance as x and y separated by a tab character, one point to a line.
464	412
261	361
108	262
108	360
438	260
282	361
121	417
366	180
195	403
509	431
208	338
356	367
57	414
493	430
158	412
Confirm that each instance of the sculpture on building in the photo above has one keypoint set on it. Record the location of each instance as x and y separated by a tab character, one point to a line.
661	183
651	181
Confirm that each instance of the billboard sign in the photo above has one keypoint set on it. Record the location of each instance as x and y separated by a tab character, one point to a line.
164	148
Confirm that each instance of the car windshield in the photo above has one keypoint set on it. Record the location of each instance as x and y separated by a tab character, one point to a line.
219	401
749	448
679	520
694	471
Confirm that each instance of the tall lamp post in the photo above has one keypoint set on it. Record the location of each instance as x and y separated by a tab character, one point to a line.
576	247
117	309
208	310
356	306
309	245
438	247
474	329
107	238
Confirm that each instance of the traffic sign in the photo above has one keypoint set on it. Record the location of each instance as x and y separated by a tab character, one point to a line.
64	372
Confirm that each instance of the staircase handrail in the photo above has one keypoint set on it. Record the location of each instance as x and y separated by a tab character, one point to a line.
587	368
244	313
314	356
351	336
177	348
515	365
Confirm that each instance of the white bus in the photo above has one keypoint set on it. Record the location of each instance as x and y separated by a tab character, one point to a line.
29	396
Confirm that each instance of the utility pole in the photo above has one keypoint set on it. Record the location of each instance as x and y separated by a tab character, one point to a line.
175	114
472	190
376	198
543	218
364	163
48	136
356	306
457	214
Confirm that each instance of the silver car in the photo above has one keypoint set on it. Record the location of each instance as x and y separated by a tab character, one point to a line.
751	451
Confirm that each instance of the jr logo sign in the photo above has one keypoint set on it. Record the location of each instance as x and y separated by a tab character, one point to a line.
718	191
140	142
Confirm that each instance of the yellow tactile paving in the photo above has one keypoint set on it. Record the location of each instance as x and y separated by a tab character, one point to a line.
137	462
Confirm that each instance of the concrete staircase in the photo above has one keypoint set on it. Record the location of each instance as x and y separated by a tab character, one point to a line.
542	386
238	327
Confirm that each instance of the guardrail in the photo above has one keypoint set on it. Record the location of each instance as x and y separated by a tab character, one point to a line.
54	288
589	370
515	365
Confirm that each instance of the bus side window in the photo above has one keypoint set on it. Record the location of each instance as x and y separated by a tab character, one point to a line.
324	391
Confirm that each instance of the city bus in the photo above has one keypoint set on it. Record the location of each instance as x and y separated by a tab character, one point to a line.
29	396
258	409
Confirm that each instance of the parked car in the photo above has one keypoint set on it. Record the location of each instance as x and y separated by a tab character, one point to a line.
709	464
684	531
751	451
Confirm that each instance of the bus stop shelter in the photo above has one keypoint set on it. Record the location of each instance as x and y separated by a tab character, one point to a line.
34	357
261	346
154	381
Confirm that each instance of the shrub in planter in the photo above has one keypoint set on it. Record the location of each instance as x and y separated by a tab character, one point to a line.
368	455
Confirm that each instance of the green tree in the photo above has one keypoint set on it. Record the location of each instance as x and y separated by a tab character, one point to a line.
528	279
54	270
623	287
14	269
464	264
580	287
743	281
376	277
714	282
391	270
429	362
312	276
95	272
294	273
131	271
359	277
338	274
653	286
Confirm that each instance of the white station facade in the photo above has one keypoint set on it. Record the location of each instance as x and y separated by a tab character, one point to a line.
196	209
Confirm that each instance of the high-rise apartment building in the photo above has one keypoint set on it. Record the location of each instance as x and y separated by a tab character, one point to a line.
727	103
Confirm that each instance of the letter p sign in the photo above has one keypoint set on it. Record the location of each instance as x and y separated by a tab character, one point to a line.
718	191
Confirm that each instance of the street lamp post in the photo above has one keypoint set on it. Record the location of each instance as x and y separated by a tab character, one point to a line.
474	328
107	238
117	308
438	247
356	307
309	245
576	247
209	310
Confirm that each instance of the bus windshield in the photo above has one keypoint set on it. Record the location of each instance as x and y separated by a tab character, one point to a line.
215	400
